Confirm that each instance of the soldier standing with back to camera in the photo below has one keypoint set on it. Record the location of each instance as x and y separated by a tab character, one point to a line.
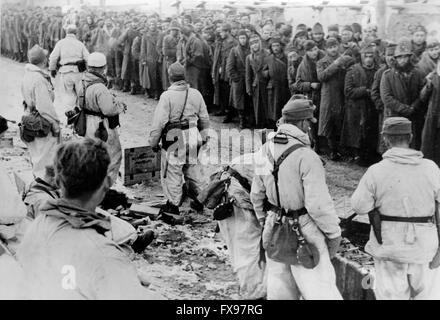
401	195
181	113
70	54
302	195
102	110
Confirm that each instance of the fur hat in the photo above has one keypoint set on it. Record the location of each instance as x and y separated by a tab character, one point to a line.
317	28
333	27
330	42
357	28
309	45
404	47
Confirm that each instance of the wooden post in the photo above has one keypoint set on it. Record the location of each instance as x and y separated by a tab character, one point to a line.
381	18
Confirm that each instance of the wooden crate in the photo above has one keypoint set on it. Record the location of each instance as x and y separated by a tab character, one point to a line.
141	164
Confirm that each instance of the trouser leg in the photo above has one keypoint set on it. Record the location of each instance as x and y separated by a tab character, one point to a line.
391	280
171	178
280	282
318	283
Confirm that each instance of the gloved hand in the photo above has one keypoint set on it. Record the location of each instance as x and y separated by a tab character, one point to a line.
435	263
333	246
53	73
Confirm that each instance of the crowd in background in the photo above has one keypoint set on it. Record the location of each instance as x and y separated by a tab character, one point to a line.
249	71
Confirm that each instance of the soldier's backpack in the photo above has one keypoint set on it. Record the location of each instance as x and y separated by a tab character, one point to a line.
285	243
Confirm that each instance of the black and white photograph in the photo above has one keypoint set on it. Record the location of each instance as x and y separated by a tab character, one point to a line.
221	151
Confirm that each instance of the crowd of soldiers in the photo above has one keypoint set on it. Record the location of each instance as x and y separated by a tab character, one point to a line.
251	71
350	88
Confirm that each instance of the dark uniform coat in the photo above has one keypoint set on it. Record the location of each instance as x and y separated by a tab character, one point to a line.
150	57
375	96
236	69
277	86
331	112
400	95
360	126
431	129
126	41
256	85
197	64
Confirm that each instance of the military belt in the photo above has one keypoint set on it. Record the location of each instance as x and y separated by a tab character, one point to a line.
429	219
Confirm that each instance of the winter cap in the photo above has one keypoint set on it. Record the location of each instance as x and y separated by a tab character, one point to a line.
298	109
301	27
333	27
274	39
71	28
404	47
301	33
176	70
226	27
432	43
390	49
37	54
356	27
97	60
330	42
347	28
419	28
317	28
368	48
254	39
174	25
396	126
309	45
242	33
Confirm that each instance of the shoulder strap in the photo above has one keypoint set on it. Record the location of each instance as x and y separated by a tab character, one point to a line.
184	104
277	163
85	89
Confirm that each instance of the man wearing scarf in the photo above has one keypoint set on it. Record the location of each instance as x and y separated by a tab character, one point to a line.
419	41
307	82
99	106
149	58
431	131
236	68
360	126
255	80
65	253
400	88
275	72
429	58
